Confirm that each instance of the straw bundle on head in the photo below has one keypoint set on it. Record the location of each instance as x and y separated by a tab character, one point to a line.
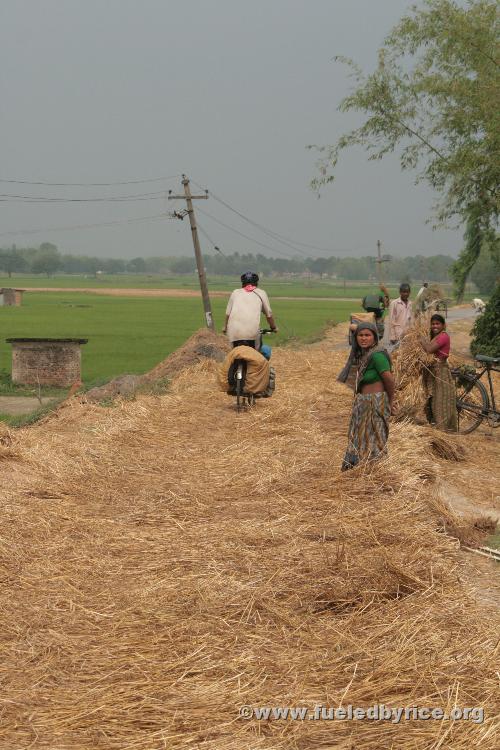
435	292
167	561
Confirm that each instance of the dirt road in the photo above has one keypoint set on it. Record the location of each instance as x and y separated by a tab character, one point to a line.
189	293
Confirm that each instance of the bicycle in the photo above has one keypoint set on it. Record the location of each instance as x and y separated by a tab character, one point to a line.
244	399
474	403
435	305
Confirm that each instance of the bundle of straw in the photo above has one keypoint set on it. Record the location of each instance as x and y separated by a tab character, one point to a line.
410	362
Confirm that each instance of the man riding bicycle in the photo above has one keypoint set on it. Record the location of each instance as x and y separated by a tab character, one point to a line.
244	310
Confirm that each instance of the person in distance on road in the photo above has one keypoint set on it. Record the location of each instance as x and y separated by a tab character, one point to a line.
243	312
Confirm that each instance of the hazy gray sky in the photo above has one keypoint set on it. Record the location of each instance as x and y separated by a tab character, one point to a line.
229	92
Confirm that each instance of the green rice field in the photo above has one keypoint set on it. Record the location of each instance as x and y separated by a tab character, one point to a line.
334	288
132	334
274	287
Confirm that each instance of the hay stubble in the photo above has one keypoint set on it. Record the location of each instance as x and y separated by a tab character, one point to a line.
166	561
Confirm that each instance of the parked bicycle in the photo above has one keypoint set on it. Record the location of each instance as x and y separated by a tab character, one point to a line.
437	305
474	403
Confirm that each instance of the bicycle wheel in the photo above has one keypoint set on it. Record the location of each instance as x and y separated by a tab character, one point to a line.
472	405
239	395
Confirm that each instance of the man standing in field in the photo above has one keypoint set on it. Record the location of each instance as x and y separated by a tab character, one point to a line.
244	310
400	315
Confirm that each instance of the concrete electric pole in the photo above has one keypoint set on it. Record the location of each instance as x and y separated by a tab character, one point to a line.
379	263
197	249
379	260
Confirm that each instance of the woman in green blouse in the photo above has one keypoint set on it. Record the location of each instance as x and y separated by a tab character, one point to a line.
374	388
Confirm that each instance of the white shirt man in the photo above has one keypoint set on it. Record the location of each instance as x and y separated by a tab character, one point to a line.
400	315
244	310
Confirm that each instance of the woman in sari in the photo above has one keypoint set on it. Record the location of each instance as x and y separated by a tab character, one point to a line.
369	365
441	407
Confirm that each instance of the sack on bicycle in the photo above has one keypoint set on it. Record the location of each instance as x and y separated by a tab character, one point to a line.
257	372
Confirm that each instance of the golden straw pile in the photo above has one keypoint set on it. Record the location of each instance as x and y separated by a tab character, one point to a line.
166	561
410	361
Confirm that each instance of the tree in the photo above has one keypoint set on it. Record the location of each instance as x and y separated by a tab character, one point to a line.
12	261
478	236
183	265
486	271
486	329
47	259
73	263
434	95
113	265
136	265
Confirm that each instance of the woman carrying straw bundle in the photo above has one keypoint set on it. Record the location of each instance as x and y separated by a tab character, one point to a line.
369	365
441	407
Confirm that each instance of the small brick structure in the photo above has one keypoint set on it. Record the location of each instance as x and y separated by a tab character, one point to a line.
11	297
46	361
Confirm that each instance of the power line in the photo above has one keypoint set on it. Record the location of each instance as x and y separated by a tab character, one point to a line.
207	236
271	233
90	184
246	236
274	235
139	219
13	198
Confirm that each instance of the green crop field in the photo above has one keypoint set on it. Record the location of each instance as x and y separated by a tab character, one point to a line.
333	288
132	334
275	287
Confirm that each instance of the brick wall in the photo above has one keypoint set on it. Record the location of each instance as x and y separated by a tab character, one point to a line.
47	363
9	297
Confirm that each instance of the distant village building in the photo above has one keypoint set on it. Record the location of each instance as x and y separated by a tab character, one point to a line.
11	297
46	361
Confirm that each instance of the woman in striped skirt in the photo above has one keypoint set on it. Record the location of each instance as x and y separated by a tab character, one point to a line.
441	408
373	401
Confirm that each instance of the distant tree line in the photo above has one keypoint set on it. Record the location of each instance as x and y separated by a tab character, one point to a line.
46	259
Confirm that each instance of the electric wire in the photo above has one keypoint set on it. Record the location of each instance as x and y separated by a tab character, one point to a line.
13	198
289	333
90	184
210	240
246	236
139	219
271	233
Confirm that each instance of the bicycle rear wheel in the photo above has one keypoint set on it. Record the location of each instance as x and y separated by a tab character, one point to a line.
472	405
239	395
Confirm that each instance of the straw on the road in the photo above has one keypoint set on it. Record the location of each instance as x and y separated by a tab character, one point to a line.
165	561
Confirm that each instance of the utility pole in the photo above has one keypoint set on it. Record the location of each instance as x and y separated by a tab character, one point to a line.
379	263
196	244
379	260
422	269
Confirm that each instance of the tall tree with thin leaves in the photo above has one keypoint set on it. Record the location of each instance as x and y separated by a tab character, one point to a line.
434	97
